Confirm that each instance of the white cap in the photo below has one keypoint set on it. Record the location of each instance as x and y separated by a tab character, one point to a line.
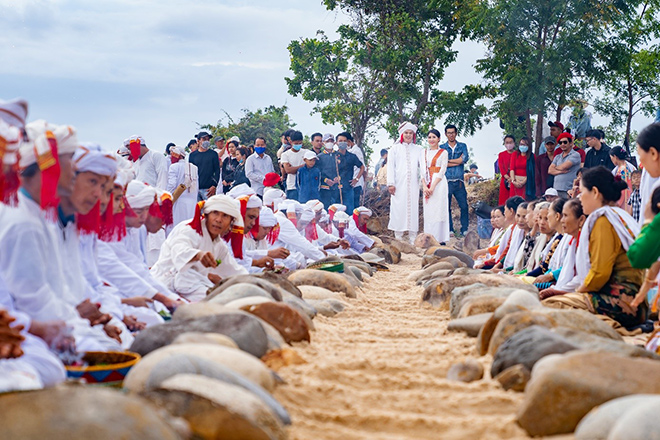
551	192
309	155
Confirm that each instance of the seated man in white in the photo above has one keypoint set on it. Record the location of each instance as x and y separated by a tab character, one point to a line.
357	227
195	257
259	243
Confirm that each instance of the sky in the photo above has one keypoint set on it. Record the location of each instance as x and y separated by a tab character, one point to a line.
158	68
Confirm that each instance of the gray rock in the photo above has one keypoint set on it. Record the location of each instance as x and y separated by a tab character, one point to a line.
514	378
586	341
243	328
479	305
460	295
528	346
239	291
470	325
300	305
190	364
439	291
327	307
564	388
466	371
642	424
598	424
446	252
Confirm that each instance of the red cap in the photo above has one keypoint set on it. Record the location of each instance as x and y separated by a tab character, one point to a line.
565	136
271	179
556	124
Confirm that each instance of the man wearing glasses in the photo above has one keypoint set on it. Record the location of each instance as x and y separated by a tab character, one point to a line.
565	165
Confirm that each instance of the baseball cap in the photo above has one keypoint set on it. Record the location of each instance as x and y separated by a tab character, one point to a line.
556	124
550	140
327	137
551	192
201	134
309	155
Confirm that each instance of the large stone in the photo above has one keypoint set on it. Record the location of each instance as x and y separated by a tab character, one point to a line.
598	424
288	322
205	338
480	305
187	364
587	341
403	246
460	295
272	283
242	328
76	412
242	363
466	371
545	317
327	307
302	306
446	252
217	410
514	378
527	347
471	242
642	424
470	325
239	291
316	292
564	388
425	241
247	301
384	251
438	292
331	281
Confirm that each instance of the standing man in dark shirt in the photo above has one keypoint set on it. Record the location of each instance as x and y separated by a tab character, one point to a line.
229	166
317	143
545	180
208	166
347	163
599	153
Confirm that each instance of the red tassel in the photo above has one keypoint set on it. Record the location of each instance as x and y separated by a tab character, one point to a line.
134	146
235	240
166	210
196	222
356	219
341	231
10	186
273	234
311	234
113	226
154	210
89	223
50	175
127	208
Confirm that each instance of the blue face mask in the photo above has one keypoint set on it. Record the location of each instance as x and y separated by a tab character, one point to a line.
260	150
296	147
523	148
342	145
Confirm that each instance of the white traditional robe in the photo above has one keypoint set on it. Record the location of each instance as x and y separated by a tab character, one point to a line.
152	169
190	279
436	207
292	240
517	237
403	174
361	240
183	173
259	249
34	269
537	252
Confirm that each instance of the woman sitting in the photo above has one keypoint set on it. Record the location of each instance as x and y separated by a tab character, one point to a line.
610	282
551	255
497	220
545	234
529	241
518	233
572	220
510	208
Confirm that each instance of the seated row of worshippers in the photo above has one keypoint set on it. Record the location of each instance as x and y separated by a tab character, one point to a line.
73	227
587	253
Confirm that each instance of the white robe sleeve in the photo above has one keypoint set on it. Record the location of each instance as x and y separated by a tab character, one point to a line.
391	166
113	271
293	241
444	160
174	177
360	237
160	166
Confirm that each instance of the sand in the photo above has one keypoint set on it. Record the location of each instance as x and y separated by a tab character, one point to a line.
377	371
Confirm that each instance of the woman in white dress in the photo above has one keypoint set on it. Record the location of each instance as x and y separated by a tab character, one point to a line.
433	163
182	178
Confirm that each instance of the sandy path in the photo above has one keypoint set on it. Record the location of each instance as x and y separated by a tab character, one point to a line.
377	371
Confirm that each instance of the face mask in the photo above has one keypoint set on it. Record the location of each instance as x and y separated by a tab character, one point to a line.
523	148
260	150
284	146
509	147
296	147
206	145
342	145
174	159
329	146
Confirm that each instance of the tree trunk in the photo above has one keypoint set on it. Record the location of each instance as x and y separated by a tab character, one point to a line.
539	132
631	104
528	123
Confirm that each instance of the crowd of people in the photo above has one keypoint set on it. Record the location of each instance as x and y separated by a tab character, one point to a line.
586	243
98	245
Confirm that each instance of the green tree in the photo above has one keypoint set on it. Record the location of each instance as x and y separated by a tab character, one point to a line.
629	68
269	123
540	54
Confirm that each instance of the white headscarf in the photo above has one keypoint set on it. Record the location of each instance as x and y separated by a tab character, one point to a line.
140	195
38	145
11	136
14	112
224	203
341	217
178	150
362	210
266	218
240	190
273	194
92	158
314	205
407	126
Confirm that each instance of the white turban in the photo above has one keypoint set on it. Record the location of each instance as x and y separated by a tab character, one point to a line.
341	217
140	195
240	190
235	138
363	210
266	218
91	158
254	202
337	207
11	137
325	218
314	205
37	144
306	217
407	126
135	137
224	203
125	172
272	194
14	112
178	150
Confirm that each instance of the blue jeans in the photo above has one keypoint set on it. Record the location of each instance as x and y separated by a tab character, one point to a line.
457	189
202	194
328	197
292	194
357	195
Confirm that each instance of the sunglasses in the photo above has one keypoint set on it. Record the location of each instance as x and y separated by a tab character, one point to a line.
563	142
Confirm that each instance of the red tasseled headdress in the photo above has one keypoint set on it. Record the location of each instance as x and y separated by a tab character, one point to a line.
50	174
134	147
273	234
90	223
341	231
291	215
196	222
127	208
154	210
166	205
113	226
235	237
356	219
414	138
311	234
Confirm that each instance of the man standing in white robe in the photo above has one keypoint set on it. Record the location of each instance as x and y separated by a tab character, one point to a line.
195	256
183	184
403	179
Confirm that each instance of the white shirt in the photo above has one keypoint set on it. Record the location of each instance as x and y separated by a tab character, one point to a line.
295	159
152	168
256	169
358	152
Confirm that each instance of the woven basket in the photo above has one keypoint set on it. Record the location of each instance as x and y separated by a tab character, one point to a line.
104	368
328	266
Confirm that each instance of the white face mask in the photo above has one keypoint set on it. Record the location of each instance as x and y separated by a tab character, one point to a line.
509	146
329	145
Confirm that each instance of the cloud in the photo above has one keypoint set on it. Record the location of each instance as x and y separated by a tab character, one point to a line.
256	65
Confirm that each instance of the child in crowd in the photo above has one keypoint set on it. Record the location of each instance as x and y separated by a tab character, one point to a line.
634	203
308	179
